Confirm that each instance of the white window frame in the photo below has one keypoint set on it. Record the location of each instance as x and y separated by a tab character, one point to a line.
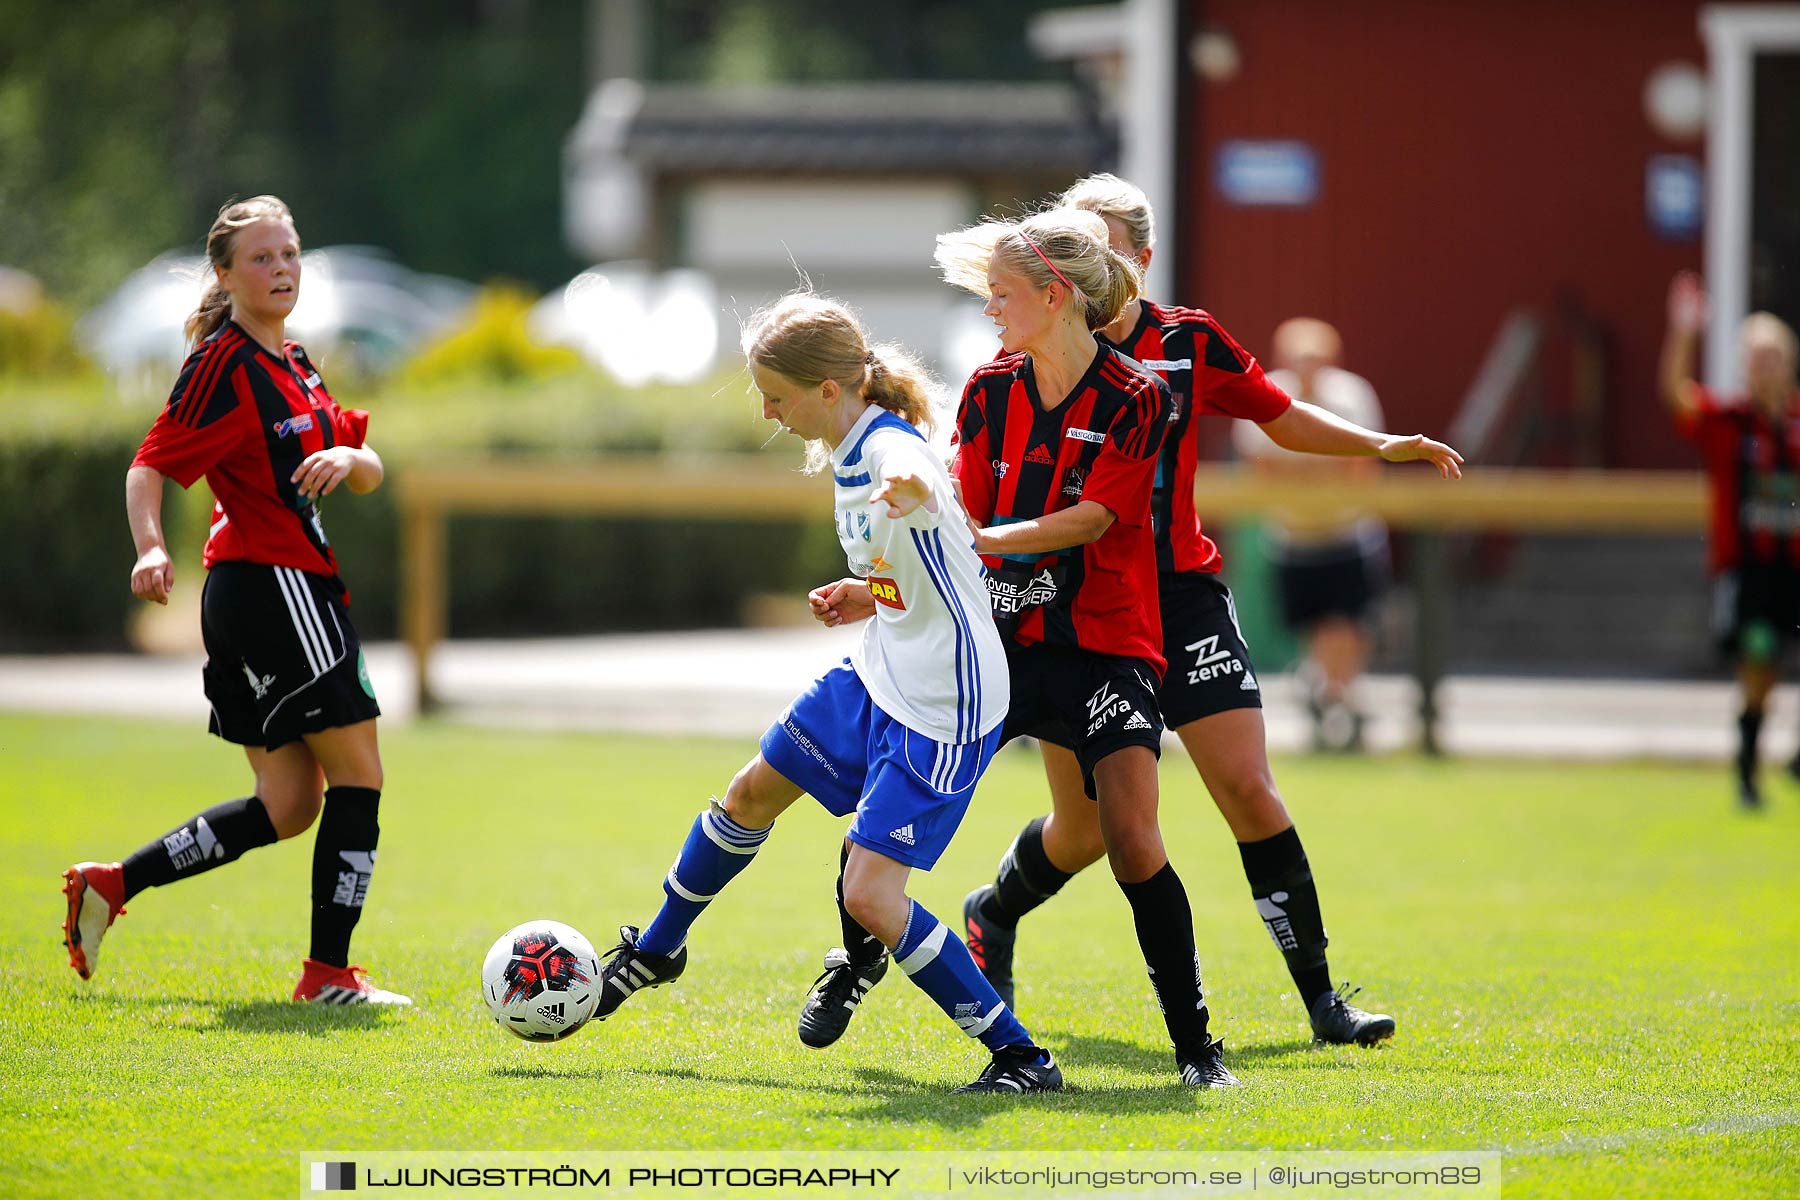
1734	35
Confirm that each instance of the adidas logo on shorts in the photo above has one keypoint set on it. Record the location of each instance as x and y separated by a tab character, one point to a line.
903	835
1137	721
1249	684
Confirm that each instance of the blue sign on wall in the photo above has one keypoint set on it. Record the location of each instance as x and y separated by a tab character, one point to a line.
1281	174
1674	191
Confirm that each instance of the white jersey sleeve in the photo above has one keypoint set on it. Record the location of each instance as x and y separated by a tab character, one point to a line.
930	657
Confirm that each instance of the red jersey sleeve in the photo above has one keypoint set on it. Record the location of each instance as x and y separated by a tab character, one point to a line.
350	426
1693	423
973	464
202	421
1124	472
1228	381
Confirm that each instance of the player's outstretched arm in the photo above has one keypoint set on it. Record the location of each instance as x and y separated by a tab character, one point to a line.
153	575
841	603
904	492
1419	448
1308	429
1675	371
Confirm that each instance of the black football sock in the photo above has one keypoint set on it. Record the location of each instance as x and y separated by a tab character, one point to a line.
1281	883
1749	730
1165	930
213	838
863	947
1025	880
343	858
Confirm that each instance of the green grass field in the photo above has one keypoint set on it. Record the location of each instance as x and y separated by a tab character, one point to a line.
1596	970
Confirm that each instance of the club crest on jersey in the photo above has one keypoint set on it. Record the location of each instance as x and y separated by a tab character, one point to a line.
1072	483
886	591
1000	469
299	424
855	525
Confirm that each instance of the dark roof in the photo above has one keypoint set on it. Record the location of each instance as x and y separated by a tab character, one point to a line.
851	128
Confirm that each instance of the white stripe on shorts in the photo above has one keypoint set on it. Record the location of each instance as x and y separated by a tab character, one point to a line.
310	609
297	606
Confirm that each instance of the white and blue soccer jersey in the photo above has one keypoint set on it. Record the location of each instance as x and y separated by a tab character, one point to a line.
931	657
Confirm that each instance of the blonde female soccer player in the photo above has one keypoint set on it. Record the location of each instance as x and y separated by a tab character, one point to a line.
896	736
284	669
1210	694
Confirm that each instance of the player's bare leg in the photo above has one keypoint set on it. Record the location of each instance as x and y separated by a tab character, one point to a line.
1049	852
1338	647
1229	750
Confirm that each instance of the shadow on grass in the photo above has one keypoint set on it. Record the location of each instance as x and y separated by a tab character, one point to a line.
880	1096
1294	1052
550	1073
287	1016
1077	1050
253	1016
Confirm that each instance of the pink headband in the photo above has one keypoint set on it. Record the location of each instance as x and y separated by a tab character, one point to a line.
1073	290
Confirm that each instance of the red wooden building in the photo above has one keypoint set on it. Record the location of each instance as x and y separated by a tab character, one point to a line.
1469	159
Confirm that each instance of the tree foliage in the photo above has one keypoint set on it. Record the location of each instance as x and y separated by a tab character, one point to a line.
433	129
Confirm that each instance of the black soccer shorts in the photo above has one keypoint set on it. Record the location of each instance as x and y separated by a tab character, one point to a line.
1093	704
282	658
1755	611
1209	661
1344	581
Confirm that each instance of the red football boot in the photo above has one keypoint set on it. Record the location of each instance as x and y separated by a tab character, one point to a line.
96	896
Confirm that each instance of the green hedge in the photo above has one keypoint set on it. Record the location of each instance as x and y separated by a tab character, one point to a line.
64	451
62	519
524	576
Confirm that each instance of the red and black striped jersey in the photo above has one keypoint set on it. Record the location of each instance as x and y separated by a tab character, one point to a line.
246	419
1752	477
1018	461
1209	373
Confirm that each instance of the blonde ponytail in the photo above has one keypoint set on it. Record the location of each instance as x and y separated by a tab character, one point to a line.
899	382
215	306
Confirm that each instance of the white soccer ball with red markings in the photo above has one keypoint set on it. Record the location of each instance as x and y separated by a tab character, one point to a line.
541	981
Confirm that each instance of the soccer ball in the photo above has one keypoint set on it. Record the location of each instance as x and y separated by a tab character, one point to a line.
541	981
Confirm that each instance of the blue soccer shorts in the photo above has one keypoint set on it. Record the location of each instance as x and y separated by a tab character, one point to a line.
908	791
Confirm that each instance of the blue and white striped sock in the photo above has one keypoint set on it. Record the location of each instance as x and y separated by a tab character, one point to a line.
939	963
717	848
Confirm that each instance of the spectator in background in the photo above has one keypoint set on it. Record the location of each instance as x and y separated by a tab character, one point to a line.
1750	446
1329	572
